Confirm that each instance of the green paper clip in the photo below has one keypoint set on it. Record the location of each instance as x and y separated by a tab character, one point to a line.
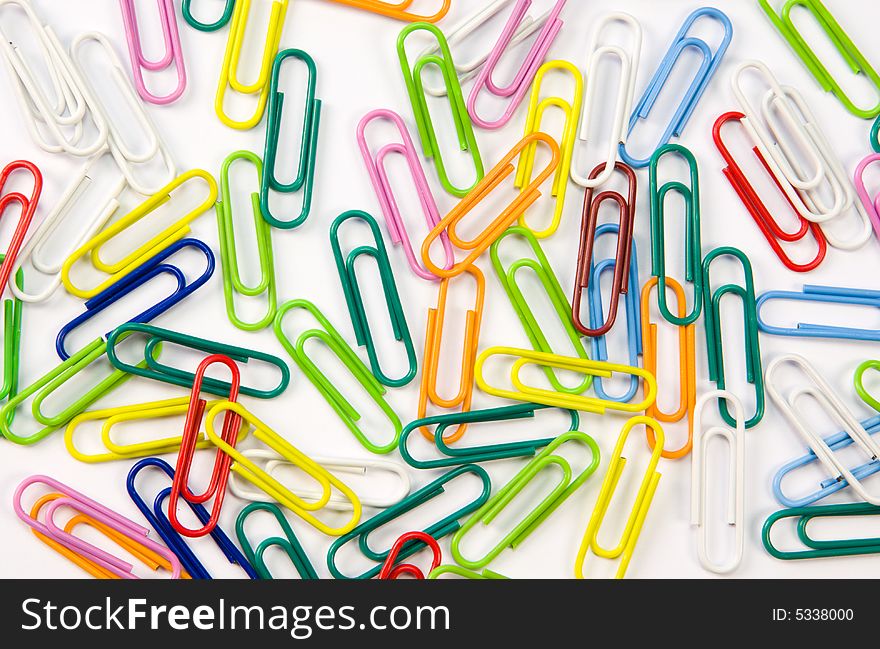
693	247
452	569
12	310
714	346
305	171
336	343
841	41
820	549
151	368
456	456
220	23
232	281
290	544
858	381
566	486
443	527
540	266
412	75
355	301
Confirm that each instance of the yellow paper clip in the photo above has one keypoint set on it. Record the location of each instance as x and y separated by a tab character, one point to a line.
159	242
627	545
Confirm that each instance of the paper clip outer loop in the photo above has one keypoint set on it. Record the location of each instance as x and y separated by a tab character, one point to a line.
821	549
464	128
220	23
346	267
626	547
567	485
336	343
28	207
859	382
433	344
822	295
437	530
390	570
480	243
290	544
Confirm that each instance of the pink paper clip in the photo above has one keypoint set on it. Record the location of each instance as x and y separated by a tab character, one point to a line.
173	51
83	504
519	87
385	193
872	205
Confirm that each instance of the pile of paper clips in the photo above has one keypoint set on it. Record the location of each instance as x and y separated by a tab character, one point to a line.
250	457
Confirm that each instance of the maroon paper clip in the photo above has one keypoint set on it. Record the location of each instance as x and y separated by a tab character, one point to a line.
391	571
28	209
771	229
589	222
219	477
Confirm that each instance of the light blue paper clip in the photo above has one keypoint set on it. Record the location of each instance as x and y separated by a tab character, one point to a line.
825	295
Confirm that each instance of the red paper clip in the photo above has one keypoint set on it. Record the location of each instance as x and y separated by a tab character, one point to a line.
28	209
220	475
589	221
391	571
773	232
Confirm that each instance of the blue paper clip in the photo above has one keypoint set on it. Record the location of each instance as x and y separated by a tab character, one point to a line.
157	518
599	344
830	485
825	295
698	86
137	278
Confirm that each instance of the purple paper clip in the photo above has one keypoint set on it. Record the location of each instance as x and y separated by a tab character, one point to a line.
872	205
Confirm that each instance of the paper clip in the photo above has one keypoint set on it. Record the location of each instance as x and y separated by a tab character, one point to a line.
585	267
433	344
140	62
464	573
828	486
390	570
464	128
233	284
821	391
305	169
523	392
626	90
784	112
122	414
841	41
137	278
216	488
875	136
147	250
290	544
687	373
274	463
232	58
218	24
871	204
28	206
821	549
12	310
756	207
127	534
568	483
627	544
157	518
457	455
398	10
437	530
346	267
537	108
385	193
46	385
735	440
472	24
709	65
262	479
599	344
151	368
692	229
858	381
714	338
822	295
515	209
126	158
516	90
540	267
56	123
334	341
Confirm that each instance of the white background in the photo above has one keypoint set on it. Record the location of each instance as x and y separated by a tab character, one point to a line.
358	71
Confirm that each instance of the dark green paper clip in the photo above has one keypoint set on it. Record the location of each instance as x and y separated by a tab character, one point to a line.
821	549
290	544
